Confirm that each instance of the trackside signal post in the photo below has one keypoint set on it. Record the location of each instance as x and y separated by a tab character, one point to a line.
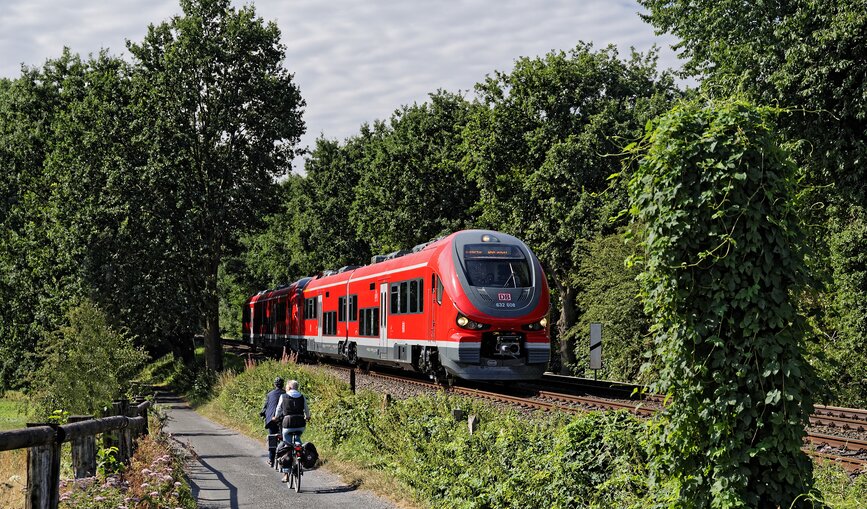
595	348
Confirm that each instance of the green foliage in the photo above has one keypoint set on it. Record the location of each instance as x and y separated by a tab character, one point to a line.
842	363
544	144
222	118
722	266
593	461
35	281
107	462
410	186
85	364
811	58
838	489
609	295
58	417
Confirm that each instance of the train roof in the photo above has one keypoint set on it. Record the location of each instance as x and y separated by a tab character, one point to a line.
420	255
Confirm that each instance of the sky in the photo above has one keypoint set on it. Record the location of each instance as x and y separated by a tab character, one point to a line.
355	61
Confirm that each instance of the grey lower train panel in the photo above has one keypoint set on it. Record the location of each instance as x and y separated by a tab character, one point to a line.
538	355
488	369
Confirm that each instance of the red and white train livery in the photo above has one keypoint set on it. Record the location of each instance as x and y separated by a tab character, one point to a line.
471	305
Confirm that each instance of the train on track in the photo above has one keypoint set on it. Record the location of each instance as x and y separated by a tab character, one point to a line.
471	305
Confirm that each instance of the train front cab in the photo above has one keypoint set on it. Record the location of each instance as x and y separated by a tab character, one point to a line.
495	320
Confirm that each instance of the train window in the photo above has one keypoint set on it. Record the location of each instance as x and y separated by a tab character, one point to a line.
329	323
414	295
369	323
310	308
341	309
404	296
353	308
439	290
407	297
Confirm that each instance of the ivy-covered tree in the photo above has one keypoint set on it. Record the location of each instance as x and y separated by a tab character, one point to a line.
809	57
544	144
224	118
723	263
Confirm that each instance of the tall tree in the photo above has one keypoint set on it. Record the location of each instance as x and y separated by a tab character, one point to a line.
224	119
111	210
35	274
543	146
412	188
325	229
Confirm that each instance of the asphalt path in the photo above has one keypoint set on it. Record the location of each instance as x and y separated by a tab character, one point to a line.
229	470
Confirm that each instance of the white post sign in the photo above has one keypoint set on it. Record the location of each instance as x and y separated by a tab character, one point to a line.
595	346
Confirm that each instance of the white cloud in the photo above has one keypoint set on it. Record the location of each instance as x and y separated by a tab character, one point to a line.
355	60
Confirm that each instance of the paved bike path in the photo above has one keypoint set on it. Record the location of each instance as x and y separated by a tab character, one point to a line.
230	470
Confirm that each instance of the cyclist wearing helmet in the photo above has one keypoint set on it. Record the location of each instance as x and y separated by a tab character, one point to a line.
267	414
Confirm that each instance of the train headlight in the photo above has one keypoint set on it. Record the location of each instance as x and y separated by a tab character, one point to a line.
536	326
466	323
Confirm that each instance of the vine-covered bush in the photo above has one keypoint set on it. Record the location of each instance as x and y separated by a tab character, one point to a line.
721	264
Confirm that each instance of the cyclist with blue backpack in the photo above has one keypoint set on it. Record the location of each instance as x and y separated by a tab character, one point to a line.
293	413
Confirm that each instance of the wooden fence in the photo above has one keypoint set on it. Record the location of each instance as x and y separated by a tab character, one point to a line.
43	442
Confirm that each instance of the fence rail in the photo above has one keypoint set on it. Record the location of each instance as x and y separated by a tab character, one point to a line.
43	442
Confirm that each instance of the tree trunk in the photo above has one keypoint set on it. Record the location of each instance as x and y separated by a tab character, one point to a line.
213	346
566	321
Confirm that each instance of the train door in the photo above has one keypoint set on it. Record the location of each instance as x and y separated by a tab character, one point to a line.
429	310
319	320
383	320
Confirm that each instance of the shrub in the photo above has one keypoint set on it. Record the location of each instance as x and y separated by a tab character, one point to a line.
85	364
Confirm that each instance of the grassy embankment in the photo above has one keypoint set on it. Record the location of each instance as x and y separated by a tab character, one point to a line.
414	451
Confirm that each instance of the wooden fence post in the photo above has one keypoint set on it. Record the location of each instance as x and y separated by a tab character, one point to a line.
473	423
43	473
386	400
83	451
352	380
123	447
144	413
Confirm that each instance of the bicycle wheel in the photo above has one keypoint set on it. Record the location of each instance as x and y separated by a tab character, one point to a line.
299	469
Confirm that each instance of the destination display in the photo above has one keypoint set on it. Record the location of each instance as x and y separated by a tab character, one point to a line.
488	252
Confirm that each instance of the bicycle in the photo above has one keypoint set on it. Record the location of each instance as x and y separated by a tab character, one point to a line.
296	468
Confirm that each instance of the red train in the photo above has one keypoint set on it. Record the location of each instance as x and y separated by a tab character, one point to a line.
472	305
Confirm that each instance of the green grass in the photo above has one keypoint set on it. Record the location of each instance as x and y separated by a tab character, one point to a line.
13	410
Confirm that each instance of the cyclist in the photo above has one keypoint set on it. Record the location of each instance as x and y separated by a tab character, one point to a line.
269	409
294	413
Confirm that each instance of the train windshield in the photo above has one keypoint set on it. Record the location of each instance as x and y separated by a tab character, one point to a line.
500	266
